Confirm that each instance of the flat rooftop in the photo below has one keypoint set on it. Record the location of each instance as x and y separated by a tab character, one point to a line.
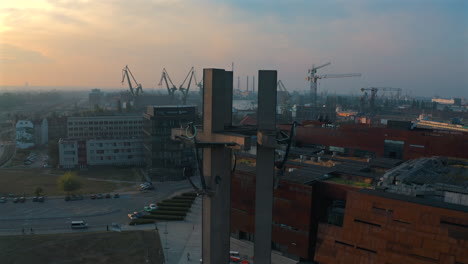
413	199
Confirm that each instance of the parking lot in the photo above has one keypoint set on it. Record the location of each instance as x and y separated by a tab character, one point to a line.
55	214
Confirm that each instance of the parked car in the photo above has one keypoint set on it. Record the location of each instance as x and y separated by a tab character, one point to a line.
116	195
34	199
150	207
108	196
147	187
22	199
40	199
67	198
138	214
146	184
132	216
16	200
93	196
99	196
3	200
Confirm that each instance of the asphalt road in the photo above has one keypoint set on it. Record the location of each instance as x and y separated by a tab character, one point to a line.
55	214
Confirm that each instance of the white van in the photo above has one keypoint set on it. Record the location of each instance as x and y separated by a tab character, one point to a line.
78	224
234	254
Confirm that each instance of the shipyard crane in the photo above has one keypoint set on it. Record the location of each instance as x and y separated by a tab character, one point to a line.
391	89
167	79
313	79
185	91
373	91
285	99
126	73
199	84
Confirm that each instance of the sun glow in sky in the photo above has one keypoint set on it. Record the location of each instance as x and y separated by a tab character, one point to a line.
420	46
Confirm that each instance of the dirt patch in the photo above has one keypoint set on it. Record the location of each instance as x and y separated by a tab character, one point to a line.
112	173
25	181
89	247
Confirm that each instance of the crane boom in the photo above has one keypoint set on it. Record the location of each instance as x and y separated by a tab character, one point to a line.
186	90
321	66
313	78
167	79
339	75
126	73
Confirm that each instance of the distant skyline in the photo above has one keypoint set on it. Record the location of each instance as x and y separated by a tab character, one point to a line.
418	45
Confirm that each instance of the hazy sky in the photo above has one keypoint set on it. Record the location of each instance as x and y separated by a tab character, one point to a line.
420	46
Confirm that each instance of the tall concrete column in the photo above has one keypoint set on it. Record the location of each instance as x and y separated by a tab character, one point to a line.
266	116
216	168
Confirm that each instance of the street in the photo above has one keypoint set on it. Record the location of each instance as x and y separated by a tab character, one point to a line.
55	214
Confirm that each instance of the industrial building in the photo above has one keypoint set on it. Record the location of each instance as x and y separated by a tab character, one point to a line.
164	157
301	199
384	227
398	140
347	213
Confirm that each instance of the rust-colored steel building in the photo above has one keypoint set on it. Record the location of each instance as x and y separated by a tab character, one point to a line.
300	202
390	228
382	141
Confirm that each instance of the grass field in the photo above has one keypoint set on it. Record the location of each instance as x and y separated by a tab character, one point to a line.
89	247
25	181
112	173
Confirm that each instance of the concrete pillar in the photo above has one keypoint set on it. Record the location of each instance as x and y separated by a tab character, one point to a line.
216	169
266	116
229	85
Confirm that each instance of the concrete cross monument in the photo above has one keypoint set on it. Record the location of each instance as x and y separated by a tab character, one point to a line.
218	138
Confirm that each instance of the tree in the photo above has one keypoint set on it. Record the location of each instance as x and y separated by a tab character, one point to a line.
39	191
69	182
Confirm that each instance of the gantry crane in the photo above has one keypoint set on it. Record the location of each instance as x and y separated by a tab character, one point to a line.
126	73
199	84
185	91
170	89
391	89
313	79
373	91
284	96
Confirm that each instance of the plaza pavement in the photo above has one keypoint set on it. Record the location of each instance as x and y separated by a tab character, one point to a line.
180	238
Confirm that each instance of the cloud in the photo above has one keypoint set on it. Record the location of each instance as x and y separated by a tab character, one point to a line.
392	44
10	54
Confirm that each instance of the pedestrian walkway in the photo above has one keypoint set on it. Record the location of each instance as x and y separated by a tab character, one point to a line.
182	239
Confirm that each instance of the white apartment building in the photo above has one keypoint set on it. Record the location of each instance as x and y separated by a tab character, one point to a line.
123	126
68	153
114	152
102	140
24	134
75	153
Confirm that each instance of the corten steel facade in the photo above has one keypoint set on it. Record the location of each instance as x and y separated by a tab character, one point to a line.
380	141
164	157
389	228
297	210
